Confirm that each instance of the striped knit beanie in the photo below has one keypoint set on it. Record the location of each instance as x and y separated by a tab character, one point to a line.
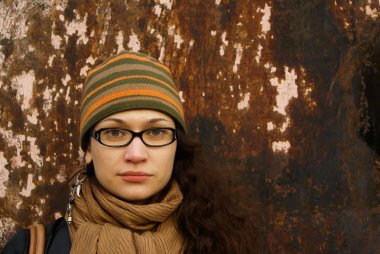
127	81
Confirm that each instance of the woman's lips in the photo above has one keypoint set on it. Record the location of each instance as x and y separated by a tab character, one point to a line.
134	177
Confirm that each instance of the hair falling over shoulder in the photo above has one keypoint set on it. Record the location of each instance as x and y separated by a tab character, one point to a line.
209	218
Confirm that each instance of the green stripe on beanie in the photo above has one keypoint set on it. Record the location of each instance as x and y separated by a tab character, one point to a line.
128	81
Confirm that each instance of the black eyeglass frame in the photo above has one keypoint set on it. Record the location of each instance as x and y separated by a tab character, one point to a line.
96	135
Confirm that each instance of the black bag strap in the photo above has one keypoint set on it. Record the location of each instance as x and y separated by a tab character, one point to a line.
37	239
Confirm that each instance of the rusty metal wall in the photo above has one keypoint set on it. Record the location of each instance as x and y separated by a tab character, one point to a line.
286	93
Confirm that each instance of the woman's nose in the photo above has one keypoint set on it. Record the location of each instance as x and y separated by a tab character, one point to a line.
136	152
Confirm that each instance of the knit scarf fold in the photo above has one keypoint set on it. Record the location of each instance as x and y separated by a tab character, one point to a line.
105	224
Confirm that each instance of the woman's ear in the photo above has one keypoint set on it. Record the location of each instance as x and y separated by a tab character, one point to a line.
88	156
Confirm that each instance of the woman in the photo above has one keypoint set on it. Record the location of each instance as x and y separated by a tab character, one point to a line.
146	188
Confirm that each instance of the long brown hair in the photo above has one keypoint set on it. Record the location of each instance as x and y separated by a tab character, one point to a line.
208	217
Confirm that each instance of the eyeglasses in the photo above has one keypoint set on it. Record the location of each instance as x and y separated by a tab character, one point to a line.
154	137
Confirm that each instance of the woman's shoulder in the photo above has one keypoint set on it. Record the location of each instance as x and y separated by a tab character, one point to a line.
57	239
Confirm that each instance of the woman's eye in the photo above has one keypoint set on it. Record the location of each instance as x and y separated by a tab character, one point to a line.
156	132
114	133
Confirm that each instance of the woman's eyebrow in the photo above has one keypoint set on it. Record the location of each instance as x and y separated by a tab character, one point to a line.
117	120
155	120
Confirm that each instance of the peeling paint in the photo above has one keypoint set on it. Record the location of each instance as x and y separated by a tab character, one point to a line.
157	10
270	126
372	12
167	3
178	40
280	146
265	24
134	43
4	173
14	141
23	84
120	41
26	191
181	96
286	90
239	54
79	28
34	151
244	103
7	227
56	41
258	56
33	118
10	17
225	44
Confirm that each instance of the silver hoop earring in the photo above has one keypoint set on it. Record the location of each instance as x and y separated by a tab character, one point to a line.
75	190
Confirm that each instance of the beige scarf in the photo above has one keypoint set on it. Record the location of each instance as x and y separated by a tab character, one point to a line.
103	223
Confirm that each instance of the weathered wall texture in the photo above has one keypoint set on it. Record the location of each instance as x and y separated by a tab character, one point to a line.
286	93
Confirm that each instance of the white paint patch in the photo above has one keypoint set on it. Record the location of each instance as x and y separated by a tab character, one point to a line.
213	33
7	226
68	97
2	58
107	19
270	126
23	84
171	30
265	24
16	141
239	54
13	20
157	10
286	89
162	55
84	70
373	13
38	211
47	96
19	203
178	40
244	103
56	41
4	174
258	56
34	151
191	43
167	3
33	119
29	187
79	27
66	79
217	2
50	61
285	125
119	41
134	43
280	146
181	96
224	45
61	176
90	60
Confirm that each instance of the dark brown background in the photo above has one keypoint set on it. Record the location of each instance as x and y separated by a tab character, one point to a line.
285	93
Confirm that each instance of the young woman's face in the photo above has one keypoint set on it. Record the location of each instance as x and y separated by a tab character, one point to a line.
135	172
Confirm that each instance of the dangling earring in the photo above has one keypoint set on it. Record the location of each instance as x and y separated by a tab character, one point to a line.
75	189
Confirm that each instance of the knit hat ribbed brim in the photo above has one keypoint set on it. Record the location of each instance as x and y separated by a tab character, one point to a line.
127	81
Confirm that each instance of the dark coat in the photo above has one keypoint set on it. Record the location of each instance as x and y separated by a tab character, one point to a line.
57	240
